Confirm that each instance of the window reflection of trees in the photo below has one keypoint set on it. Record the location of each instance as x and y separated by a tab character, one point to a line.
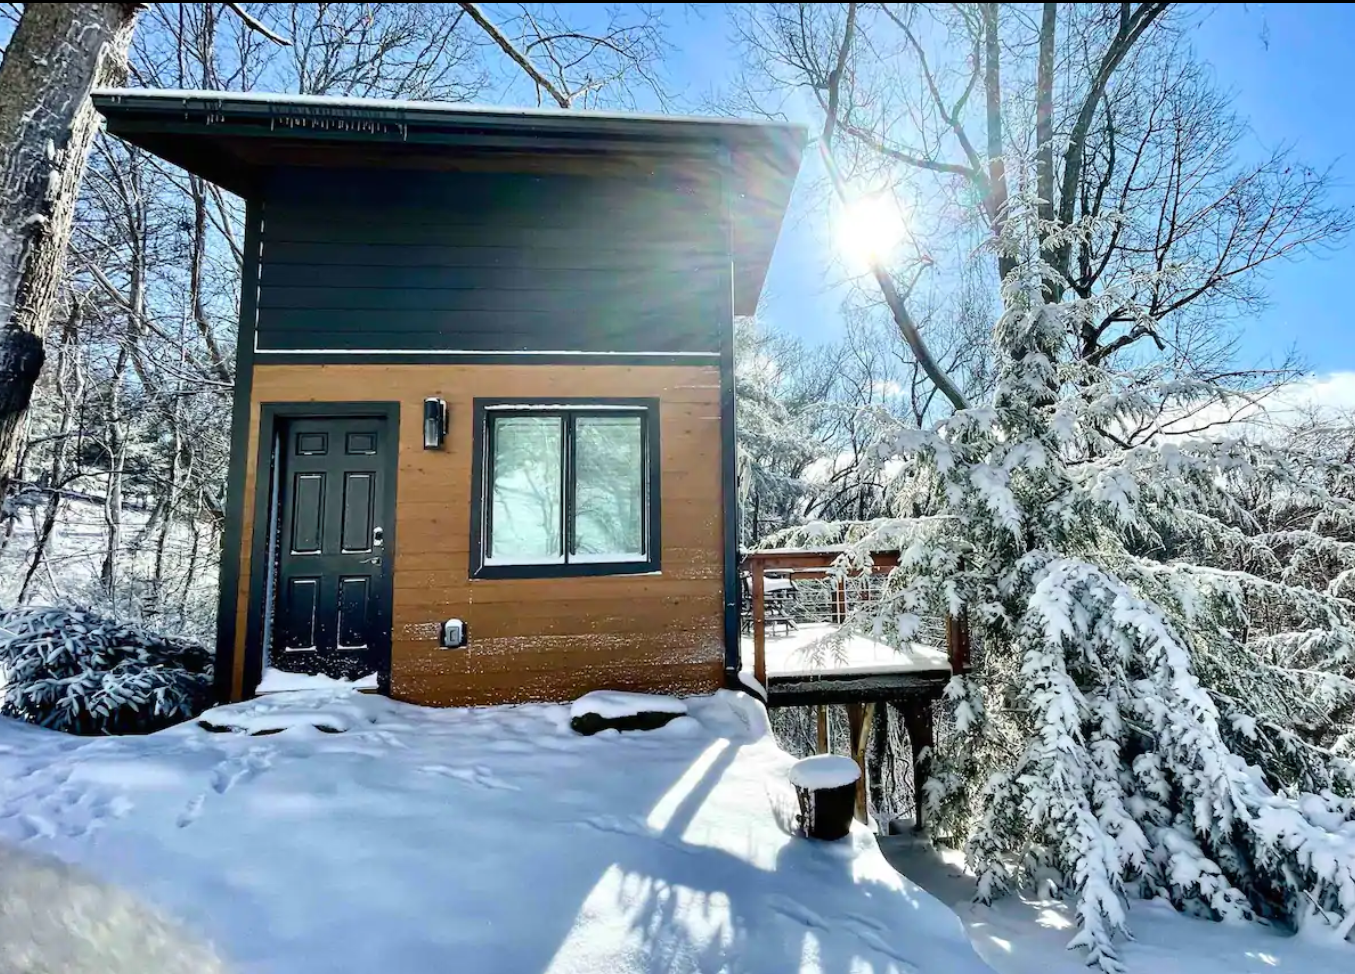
608	486
528	500
527	487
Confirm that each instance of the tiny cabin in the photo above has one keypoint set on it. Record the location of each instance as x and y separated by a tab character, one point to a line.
482	444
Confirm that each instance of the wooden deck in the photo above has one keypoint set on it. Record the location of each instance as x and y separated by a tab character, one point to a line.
822	663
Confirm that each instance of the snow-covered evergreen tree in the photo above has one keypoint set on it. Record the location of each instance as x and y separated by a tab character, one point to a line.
1161	705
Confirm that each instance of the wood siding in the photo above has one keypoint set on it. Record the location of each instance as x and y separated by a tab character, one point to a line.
490	262
531	639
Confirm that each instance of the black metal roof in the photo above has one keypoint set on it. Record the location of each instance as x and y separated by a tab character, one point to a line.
234	139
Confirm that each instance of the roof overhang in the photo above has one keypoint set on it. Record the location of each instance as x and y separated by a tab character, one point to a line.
235	139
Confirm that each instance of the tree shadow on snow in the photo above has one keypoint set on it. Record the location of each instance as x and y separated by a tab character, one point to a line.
697	907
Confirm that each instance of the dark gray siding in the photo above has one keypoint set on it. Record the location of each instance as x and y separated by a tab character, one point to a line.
426	261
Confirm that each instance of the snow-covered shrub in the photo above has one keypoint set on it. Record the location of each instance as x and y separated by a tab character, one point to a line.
1162	702
78	672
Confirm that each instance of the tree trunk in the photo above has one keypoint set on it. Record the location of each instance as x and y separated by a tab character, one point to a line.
70	390
59	51
192	570
116	444
1044	113
996	202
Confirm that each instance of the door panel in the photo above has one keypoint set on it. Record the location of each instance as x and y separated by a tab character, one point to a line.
332	612
309	513
357	512
353	598
299	605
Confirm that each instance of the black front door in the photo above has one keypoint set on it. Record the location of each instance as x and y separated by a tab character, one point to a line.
331	611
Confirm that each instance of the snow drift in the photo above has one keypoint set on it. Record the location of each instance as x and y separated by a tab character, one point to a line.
480	840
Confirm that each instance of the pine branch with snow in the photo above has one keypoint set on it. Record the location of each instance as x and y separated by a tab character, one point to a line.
1164	694
75	671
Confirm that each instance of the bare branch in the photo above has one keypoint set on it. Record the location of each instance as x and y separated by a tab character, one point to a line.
888	289
897	307
835	76
518	57
1044	111
255	25
951	117
1132	27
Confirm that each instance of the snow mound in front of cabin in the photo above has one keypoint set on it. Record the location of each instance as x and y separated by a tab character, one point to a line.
615	704
280	681
495	839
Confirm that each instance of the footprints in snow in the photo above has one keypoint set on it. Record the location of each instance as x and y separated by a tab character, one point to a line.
868	931
45	804
225	776
620	825
796	912
190	812
232	771
480	776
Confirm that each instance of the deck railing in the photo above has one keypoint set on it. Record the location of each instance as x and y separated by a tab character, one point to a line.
764	571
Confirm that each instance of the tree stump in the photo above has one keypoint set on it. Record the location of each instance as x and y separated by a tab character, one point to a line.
826	788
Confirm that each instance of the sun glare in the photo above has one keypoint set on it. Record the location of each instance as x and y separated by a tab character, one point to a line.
869	228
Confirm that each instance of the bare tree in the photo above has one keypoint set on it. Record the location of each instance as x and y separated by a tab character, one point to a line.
1120	124
576	66
58	52
393	50
133	454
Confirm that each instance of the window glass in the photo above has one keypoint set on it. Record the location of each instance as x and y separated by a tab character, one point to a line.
609	495
526	489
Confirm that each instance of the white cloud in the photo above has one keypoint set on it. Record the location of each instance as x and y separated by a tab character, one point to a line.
1332	393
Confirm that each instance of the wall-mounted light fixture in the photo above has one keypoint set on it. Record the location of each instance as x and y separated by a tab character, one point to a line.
434	423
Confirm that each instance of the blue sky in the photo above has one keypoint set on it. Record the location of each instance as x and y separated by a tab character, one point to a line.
1289	67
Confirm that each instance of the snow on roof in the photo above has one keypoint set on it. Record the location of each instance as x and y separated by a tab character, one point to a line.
572	116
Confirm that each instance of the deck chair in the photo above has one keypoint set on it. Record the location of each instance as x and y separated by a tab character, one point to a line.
778	600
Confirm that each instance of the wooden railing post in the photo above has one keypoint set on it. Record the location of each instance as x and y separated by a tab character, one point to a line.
858	725
759	622
917	721
957	643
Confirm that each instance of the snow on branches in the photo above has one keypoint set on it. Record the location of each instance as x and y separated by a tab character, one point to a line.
1164	694
75	671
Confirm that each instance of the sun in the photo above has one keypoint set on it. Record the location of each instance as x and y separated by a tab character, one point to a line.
868	228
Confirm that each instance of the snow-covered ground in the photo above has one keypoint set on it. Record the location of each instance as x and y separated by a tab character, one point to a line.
1023	935
418	840
816	648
